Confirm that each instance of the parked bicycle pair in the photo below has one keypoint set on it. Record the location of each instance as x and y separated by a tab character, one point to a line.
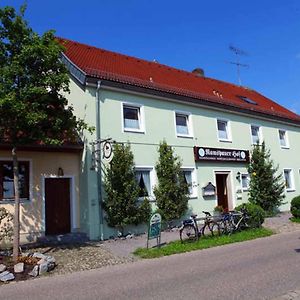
227	223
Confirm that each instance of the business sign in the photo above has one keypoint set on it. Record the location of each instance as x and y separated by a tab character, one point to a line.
221	155
154	226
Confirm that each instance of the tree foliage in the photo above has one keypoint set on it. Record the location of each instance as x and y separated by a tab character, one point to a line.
172	190
33	82
122	204
266	185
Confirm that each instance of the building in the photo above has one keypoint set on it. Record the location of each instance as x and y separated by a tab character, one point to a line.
211	124
49	189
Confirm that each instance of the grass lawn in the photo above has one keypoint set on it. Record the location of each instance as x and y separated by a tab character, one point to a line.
295	220
202	243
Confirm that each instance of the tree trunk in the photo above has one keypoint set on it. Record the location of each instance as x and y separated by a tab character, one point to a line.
16	243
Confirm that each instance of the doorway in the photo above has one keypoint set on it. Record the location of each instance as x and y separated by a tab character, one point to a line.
223	192
57	206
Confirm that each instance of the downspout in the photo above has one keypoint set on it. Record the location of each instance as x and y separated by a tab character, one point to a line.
98	169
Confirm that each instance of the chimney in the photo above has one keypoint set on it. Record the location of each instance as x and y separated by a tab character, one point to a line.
198	72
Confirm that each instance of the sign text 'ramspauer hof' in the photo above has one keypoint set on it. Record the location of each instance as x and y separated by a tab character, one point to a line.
222	155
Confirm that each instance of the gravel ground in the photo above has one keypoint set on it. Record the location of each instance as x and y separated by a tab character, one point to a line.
92	255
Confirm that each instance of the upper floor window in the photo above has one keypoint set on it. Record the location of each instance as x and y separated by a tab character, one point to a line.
255	134
283	139
223	130
7	191
132	118
288	178
183	124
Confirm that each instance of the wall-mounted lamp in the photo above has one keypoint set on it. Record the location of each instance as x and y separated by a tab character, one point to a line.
60	171
238	176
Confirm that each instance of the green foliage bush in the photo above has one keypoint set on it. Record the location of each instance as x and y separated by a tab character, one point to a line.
295	207
255	212
6	228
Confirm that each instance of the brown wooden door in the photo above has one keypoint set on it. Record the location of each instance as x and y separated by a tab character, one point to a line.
222	190
57	205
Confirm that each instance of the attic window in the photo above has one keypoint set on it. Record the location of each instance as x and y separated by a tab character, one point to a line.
246	99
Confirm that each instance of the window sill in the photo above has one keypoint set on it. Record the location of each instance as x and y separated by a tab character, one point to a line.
6	201
245	189
133	130
191	197
284	147
290	190
184	136
225	141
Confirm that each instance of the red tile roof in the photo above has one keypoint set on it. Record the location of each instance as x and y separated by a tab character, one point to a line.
108	65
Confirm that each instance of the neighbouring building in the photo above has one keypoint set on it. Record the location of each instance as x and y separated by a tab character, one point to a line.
49	189
211	124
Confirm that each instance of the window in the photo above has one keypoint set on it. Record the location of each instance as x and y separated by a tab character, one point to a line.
245	181
189	177
247	100
7	180
223	131
132	120
182	124
144	181
283	139
255	134
288	178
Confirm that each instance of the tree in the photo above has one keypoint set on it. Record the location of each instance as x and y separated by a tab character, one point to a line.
33	108
266	186
172	190
122	204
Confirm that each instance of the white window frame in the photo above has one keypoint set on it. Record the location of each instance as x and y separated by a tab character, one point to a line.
30	185
287	145
194	181
292	187
141	116
151	196
228	130
260	137
245	188
189	124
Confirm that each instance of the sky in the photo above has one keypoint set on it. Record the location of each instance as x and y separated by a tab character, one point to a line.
189	34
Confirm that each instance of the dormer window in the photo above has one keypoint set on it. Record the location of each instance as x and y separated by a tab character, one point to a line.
247	100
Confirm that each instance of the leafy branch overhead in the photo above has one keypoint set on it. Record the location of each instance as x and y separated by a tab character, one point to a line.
33	108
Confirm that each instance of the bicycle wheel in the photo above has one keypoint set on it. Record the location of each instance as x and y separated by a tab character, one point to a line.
215	229
188	232
226	227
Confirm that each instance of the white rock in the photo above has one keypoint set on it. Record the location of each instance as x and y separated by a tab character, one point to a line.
43	268
39	255
7	277
19	268
50	259
35	271
2	268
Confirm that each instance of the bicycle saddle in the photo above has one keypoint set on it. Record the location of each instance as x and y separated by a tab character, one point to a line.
207	213
194	215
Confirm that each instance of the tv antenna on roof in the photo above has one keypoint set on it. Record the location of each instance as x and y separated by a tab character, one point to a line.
238	52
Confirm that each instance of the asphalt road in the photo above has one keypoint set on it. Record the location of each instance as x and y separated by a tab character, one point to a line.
260	269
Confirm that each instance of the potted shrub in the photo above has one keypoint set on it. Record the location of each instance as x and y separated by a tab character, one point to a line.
218	210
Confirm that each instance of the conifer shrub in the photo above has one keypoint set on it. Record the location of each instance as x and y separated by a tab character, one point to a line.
295	207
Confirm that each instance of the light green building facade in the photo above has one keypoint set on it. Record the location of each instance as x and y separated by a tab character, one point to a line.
144	120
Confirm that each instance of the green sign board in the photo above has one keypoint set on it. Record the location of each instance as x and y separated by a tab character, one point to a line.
154	229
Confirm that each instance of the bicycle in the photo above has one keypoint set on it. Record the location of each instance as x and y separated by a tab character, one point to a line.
190	229
234	221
